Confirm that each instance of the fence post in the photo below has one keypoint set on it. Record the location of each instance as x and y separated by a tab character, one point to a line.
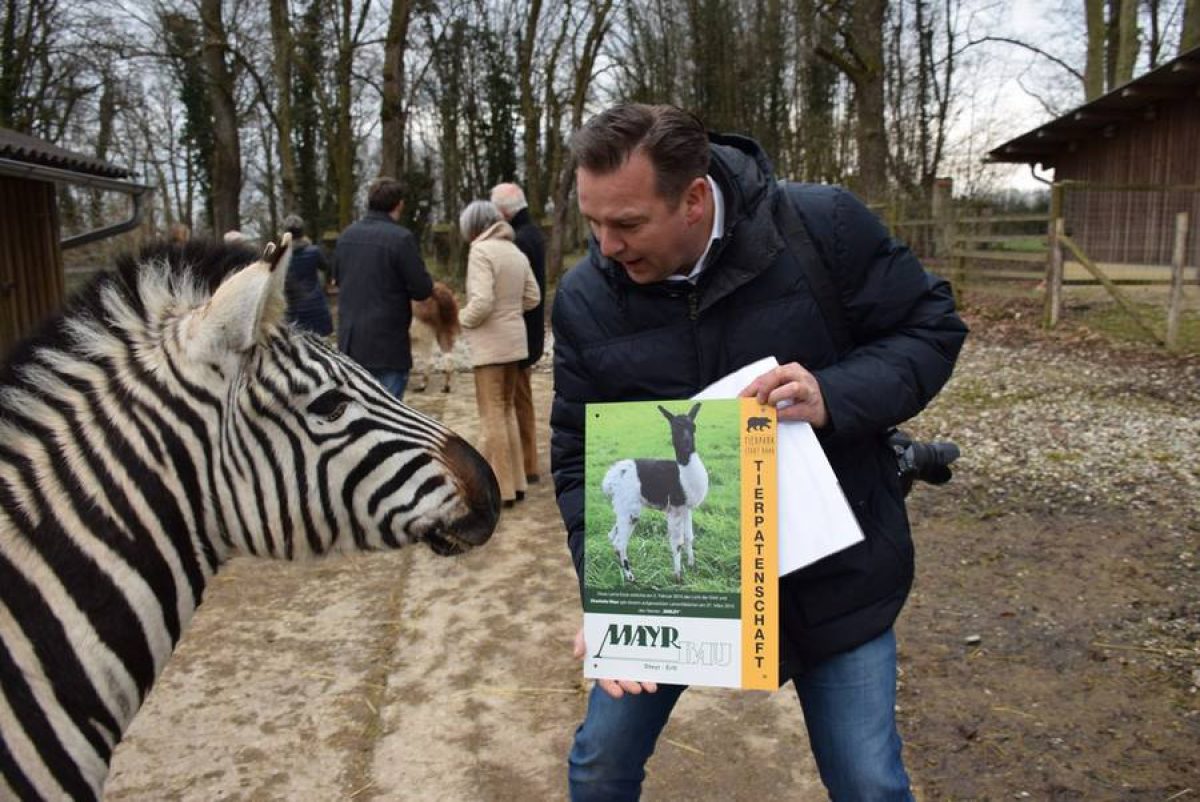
1052	304
942	207
1175	299
1054	273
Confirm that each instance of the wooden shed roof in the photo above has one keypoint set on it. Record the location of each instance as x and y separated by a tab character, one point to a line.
31	150
1135	100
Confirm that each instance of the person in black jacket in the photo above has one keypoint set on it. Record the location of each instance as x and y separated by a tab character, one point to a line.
379	271
510	200
304	287
689	278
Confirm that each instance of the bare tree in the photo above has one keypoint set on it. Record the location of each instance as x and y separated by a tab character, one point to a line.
598	14
227	159
348	30
531	112
393	115
859	55
43	77
1125	20
1189	32
284	55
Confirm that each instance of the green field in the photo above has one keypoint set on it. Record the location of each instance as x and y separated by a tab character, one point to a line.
620	431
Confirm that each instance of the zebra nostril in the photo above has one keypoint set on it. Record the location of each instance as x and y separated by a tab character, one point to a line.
480	490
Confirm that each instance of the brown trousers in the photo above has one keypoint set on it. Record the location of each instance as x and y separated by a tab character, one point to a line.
495	391
527	420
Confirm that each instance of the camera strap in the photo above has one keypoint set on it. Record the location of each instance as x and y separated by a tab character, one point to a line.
816	270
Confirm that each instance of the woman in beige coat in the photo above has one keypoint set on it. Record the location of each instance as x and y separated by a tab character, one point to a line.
500	287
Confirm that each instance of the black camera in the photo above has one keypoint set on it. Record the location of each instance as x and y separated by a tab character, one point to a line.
926	461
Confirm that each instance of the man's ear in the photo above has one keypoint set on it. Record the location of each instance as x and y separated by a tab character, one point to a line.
244	307
695	200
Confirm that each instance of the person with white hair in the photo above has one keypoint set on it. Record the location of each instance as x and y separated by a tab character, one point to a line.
500	287
510	200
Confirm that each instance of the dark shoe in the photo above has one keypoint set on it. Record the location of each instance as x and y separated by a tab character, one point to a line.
520	495
508	503
532	478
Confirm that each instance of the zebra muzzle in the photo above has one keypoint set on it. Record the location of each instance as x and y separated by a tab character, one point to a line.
480	497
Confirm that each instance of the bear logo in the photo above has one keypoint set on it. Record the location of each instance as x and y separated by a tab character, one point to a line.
757	424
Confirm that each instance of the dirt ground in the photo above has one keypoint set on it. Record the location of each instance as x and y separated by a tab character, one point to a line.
1050	650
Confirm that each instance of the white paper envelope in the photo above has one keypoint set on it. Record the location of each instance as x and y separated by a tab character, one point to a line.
814	518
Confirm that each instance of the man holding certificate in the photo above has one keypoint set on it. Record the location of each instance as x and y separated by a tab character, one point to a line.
698	266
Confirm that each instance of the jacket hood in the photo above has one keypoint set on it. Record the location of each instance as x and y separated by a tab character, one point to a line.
744	173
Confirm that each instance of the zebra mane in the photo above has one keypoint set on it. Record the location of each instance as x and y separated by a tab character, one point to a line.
192	270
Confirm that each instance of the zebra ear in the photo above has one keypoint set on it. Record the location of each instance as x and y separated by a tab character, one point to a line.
244	307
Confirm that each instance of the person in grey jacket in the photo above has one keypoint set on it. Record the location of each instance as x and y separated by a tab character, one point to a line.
688	278
379	273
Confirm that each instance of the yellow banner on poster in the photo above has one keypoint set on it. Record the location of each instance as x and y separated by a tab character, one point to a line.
760	549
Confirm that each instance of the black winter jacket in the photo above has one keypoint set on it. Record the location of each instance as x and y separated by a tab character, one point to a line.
379	270
616	340
528	237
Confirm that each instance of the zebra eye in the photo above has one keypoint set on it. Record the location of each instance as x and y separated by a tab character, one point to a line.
329	405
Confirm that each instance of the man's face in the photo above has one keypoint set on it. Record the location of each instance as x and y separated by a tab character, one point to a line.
651	237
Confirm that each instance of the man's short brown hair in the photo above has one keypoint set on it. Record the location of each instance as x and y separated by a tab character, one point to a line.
384	194
673	139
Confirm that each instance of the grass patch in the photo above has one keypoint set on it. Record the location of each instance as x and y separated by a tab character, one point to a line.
1113	321
640	431
1033	244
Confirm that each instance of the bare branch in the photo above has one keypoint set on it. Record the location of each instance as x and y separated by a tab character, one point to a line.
1018	43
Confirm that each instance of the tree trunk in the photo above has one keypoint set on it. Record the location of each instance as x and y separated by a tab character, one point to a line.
552	147
530	113
227	159
1093	73
862	61
393	115
583	81
281	38
269	180
343	134
106	113
11	62
1154	44
1127	43
1189	32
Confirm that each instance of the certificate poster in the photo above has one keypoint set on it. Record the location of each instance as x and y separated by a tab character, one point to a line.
681	552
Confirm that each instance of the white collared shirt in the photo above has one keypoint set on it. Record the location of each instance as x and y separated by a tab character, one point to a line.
718	227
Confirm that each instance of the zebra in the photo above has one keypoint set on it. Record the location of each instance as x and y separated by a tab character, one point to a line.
168	419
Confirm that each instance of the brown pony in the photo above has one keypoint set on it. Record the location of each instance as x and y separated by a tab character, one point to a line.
439	314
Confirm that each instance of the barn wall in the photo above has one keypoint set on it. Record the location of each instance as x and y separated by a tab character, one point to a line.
1136	226
31	271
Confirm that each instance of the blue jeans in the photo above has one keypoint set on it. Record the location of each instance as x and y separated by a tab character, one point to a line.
849	705
394	380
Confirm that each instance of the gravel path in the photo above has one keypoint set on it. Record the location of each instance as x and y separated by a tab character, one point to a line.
1053	426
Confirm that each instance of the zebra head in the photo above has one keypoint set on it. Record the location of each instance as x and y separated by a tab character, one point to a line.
311	453
169	418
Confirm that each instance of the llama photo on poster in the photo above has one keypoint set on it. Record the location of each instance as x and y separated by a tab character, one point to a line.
680	550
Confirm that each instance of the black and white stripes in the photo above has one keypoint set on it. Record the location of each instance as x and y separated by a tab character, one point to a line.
167	420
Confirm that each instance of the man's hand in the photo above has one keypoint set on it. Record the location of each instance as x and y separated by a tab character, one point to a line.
616	688
792	384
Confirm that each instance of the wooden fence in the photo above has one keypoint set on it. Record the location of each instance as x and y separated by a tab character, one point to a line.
974	248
